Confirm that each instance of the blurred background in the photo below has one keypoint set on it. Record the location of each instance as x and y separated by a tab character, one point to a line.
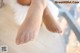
69	17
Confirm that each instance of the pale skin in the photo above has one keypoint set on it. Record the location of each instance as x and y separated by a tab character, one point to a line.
49	21
32	23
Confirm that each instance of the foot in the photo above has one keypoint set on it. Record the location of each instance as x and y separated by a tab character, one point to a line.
31	25
27	31
49	21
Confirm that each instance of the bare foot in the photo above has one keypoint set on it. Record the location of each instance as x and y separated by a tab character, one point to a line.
31	25
48	19
50	23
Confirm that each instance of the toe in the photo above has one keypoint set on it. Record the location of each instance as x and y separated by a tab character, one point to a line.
26	38
22	38
18	40
31	36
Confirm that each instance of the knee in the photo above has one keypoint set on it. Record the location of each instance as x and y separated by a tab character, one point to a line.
24	2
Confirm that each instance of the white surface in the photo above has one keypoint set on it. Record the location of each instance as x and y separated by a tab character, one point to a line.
46	42
21	11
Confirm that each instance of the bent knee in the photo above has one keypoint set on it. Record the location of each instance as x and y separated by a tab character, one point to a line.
24	2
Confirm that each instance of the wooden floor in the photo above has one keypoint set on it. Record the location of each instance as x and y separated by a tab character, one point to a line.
45	42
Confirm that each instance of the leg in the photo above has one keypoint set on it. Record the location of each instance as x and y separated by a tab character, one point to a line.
31	25
48	19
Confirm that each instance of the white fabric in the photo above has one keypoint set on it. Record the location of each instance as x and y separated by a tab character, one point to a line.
21	11
46	42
